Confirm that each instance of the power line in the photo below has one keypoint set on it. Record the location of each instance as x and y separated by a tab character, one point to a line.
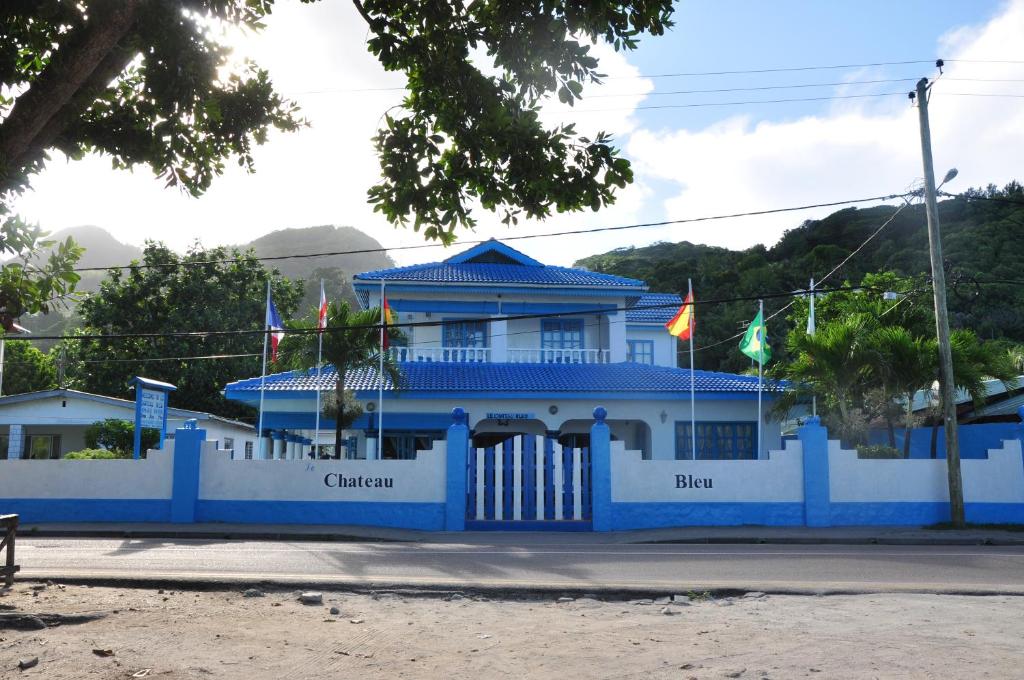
789	69
834	270
412	324
570	232
747	102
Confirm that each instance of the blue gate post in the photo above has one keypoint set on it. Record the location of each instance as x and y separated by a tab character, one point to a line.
188	442
814	440
456	468
601	472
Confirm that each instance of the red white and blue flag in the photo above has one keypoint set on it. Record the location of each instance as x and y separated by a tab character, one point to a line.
275	326
321	322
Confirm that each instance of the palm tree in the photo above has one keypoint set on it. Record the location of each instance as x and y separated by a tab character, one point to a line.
901	365
351	341
833	364
974	362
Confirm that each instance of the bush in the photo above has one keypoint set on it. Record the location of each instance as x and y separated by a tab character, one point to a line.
878	451
94	454
118	435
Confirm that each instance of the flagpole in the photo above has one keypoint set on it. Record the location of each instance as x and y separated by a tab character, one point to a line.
263	374
760	371
380	381
693	402
319	361
811	330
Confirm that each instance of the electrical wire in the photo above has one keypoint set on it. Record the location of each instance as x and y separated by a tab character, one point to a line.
834	270
419	246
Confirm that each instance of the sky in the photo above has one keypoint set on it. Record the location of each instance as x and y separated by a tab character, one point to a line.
689	161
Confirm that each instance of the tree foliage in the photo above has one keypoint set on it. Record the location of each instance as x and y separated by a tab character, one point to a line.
175	293
981	232
114	434
27	369
469	129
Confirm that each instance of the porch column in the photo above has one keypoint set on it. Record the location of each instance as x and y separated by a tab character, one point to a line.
275	437
617	336
15	443
601	471
499	340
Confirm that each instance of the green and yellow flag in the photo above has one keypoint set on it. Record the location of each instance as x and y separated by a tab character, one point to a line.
755	341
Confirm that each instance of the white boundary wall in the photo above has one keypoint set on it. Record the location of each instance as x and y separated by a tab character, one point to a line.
777	479
411	481
148	478
997	479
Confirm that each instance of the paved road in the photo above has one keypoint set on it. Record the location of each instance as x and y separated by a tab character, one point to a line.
542	562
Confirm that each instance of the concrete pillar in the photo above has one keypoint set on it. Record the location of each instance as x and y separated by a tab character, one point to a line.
456	466
814	441
499	340
601	472
276	443
15	443
617	336
188	443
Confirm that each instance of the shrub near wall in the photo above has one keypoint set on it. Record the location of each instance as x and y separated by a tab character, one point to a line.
95	454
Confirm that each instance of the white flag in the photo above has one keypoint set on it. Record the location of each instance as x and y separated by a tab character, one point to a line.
810	317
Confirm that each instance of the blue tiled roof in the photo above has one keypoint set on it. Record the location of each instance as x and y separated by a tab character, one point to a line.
471	272
495	263
664	307
507	377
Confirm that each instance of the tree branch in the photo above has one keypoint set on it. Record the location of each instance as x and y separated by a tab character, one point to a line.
362	12
40	114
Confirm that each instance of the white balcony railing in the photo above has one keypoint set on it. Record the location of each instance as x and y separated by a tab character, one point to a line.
441	354
513	356
559	356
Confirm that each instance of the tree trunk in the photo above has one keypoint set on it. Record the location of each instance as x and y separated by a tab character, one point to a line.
32	124
339	414
891	428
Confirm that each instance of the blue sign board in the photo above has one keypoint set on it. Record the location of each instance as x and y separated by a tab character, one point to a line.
150	409
510	416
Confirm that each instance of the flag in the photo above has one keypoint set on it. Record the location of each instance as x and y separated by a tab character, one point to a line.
389	318
681	324
755	340
275	326
321	321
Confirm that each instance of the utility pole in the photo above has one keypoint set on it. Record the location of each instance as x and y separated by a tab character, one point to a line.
946	385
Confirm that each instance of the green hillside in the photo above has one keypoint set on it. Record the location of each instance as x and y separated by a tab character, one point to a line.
983	241
102	250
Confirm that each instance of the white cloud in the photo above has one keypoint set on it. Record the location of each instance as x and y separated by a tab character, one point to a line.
320	175
855	150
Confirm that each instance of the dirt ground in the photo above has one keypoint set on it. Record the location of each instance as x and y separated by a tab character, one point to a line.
148	633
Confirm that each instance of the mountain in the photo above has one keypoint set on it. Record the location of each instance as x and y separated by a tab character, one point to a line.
103	250
335	270
981	238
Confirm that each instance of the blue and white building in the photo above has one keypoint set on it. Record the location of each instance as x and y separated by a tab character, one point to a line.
524	348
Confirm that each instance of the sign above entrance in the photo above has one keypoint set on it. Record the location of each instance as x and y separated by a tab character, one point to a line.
509	416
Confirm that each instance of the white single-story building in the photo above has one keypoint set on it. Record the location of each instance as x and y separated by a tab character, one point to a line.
52	423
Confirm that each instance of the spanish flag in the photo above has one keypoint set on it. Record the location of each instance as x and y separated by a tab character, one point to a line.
682	323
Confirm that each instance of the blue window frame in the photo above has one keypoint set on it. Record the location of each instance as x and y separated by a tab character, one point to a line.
561	334
465	333
717	440
640	351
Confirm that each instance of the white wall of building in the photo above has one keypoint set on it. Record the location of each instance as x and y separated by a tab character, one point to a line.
665	345
149	478
418	481
776	479
997	479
